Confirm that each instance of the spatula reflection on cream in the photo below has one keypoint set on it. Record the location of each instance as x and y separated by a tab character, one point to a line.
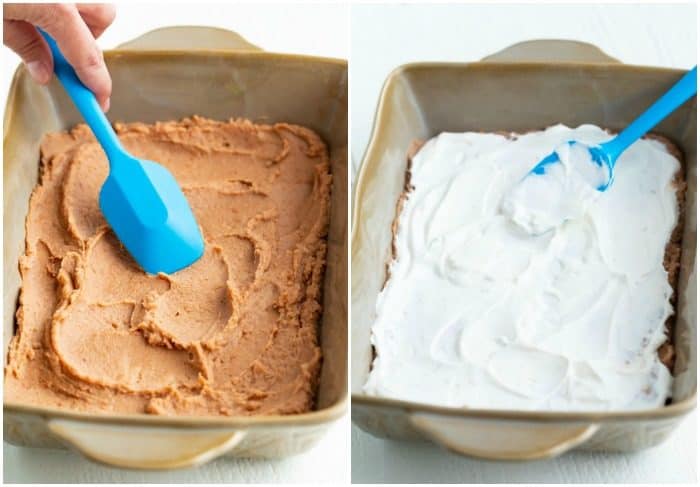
140	199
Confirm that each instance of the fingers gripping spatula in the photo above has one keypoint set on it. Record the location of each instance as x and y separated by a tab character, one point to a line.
140	199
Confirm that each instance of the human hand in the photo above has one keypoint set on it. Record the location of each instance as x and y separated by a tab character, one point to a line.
74	27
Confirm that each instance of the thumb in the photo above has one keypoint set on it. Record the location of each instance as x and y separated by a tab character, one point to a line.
25	40
63	22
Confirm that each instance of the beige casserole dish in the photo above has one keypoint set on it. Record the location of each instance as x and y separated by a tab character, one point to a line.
169	74
528	86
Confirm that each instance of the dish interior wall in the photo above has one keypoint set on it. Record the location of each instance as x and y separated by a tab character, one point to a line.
148	87
420	101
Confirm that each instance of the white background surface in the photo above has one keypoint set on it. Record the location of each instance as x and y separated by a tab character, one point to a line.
383	38
387	36
311	29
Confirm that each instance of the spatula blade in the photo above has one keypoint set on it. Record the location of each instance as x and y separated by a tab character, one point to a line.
150	215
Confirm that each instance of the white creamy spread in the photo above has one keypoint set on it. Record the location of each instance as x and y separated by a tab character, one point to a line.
478	313
540	203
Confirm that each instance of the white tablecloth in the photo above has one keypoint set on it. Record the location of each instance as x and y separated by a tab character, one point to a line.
384	37
312	29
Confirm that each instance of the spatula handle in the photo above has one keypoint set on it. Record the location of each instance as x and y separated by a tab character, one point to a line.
84	100
679	93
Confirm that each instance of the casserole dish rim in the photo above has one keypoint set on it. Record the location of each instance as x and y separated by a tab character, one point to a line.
382	111
318	416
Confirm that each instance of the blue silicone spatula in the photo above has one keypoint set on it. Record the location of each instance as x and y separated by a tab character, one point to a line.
605	155
140	199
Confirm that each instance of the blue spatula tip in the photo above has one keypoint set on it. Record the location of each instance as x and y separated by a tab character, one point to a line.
150	215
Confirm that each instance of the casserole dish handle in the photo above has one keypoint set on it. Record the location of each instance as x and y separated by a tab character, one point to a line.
144	447
551	51
151	447
515	440
188	38
502	440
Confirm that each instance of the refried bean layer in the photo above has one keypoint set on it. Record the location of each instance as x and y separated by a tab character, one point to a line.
233	334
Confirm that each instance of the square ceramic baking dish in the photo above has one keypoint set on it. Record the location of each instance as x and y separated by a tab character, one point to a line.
169	74
527	86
